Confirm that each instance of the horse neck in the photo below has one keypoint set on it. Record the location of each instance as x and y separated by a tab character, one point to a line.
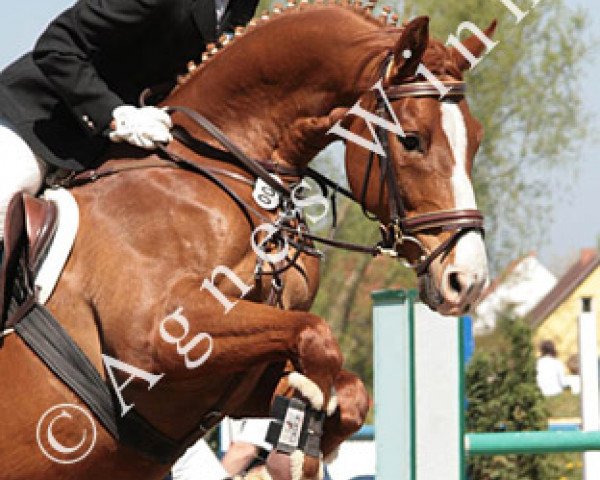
275	98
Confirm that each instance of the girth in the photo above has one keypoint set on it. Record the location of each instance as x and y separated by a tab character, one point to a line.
52	344
47	339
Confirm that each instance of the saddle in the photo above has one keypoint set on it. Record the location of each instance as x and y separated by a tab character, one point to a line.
29	228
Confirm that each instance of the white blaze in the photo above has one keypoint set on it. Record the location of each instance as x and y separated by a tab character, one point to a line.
470	249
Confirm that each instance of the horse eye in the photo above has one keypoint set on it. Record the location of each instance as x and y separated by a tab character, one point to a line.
411	142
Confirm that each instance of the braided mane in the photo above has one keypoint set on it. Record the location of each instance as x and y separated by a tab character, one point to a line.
387	19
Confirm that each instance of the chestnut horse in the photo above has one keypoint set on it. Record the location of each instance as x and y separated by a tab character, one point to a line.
150	238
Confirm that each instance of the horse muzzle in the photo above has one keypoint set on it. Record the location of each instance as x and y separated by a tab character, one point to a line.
453	286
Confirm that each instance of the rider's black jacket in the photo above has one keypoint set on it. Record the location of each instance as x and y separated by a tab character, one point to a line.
97	55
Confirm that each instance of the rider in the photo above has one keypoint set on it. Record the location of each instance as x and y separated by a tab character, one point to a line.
62	102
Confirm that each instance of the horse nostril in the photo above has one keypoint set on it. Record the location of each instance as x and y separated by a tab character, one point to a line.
454	282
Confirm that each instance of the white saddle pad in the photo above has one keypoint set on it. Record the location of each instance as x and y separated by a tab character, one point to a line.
60	248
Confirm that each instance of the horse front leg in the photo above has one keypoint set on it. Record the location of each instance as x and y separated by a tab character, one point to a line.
261	334
247	336
346	413
250	335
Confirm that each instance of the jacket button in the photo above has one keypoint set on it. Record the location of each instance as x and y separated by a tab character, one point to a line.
88	122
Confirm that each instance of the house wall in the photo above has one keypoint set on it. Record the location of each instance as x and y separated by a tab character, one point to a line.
521	290
561	325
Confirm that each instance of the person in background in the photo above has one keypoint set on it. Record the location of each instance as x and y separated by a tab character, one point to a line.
198	463
248	456
550	376
573	378
250	453
573	364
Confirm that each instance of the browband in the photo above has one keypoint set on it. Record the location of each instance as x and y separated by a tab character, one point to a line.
425	89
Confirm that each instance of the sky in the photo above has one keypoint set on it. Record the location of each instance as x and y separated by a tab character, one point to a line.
577	217
576	222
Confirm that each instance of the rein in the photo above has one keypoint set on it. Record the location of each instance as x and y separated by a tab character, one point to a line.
400	230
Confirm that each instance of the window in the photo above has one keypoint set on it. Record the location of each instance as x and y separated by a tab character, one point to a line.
586	304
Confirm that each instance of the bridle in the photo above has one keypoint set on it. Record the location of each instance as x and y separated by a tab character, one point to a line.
399	231
401	228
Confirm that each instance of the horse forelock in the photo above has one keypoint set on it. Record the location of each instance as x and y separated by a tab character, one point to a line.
439	60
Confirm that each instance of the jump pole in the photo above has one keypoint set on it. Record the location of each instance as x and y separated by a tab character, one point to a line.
417	390
419	397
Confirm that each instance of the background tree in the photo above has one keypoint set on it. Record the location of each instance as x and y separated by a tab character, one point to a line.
526	95
502	395
344	294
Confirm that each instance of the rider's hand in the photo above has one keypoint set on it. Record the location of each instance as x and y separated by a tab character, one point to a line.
143	127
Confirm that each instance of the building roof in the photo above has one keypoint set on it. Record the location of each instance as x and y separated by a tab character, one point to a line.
575	275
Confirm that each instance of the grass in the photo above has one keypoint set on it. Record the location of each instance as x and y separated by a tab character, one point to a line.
565	405
573	463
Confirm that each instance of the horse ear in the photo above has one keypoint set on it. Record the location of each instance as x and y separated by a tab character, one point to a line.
409	48
473	44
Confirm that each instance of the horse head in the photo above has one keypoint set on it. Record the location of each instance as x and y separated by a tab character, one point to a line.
427	208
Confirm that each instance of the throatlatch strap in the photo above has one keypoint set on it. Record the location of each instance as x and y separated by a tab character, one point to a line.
49	341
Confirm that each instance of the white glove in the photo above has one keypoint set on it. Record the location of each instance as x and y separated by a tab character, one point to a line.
143	127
